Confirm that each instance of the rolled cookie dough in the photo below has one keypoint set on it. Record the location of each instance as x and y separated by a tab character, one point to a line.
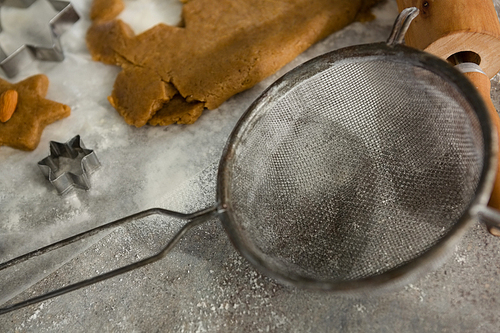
222	47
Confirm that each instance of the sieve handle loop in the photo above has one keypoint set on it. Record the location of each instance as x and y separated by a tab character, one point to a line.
401	25
490	217
194	219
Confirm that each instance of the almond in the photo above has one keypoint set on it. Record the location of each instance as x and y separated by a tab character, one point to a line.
8	104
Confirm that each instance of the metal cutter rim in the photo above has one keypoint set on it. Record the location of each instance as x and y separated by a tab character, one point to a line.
25	54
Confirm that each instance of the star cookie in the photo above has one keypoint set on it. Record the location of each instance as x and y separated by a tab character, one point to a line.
32	114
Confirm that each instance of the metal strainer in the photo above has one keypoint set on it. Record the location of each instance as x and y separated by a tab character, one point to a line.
355	171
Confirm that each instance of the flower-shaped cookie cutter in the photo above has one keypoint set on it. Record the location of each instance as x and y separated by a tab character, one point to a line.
58	172
66	16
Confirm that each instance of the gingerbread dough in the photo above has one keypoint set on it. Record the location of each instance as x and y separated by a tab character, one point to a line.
170	74
33	113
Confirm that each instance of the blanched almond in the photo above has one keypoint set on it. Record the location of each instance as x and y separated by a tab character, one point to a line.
8	104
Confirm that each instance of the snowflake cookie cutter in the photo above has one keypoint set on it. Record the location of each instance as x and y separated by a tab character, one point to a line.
66	16
58	172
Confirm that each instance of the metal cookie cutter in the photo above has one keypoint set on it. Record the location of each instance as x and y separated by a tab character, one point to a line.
57	171
66	16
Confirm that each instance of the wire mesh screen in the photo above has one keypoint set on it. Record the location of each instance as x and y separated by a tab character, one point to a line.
356	170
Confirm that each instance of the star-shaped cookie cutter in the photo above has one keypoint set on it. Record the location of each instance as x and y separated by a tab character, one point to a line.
24	55
63	180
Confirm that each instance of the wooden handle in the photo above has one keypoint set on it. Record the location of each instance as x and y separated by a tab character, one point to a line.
483	85
447	27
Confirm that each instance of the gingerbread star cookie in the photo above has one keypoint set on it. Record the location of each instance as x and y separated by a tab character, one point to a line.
32	112
222	47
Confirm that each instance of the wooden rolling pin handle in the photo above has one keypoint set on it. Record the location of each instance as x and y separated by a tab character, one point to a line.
448	27
483	85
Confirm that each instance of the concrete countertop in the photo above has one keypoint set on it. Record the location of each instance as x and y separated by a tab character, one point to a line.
204	285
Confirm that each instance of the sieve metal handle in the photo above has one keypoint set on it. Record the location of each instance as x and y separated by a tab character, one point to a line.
490	217
194	219
401	25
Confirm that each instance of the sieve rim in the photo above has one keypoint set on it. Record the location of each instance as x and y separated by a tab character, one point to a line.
408	271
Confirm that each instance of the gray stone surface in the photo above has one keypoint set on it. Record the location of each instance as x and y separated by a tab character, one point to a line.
204	285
